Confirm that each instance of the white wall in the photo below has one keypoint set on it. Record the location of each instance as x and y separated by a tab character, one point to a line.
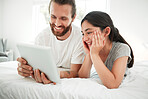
1	18
131	18
17	22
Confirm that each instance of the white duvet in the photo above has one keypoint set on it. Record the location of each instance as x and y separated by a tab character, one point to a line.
13	86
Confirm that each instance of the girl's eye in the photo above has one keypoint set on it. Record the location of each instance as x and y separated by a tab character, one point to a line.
89	32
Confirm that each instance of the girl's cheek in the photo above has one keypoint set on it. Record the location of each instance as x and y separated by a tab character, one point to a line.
91	36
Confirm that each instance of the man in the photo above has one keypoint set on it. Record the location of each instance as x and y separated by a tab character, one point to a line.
64	39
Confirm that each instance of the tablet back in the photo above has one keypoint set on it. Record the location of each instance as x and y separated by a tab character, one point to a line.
40	57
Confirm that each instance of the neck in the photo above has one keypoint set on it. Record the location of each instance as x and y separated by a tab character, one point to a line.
65	36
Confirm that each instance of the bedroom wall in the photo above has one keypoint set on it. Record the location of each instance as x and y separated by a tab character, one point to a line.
1	18
17	22
131	18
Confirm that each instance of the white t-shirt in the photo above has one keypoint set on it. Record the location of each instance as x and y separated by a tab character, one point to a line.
66	52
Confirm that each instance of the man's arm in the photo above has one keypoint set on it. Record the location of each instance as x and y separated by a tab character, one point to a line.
73	73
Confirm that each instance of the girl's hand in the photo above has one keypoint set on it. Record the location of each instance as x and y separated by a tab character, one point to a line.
85	46
98	42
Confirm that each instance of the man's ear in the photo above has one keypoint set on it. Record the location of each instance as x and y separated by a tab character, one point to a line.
107	31
74	18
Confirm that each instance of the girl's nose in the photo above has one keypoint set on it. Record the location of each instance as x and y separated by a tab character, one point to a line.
85	37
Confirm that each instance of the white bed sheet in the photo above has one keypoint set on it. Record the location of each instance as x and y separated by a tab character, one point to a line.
13	86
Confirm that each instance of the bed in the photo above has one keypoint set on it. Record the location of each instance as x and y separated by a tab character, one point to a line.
13	86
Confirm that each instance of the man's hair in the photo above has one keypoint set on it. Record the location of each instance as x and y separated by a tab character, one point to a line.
63	2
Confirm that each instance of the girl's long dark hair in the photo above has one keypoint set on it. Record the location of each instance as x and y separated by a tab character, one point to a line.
103	20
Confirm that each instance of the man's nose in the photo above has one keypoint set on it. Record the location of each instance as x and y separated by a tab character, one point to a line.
57	22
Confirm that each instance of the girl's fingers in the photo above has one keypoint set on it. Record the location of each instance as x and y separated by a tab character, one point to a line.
96	38
83	42
93	40
84	45
100	38
104	41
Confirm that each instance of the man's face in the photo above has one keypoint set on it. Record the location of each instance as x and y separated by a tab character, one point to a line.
60	18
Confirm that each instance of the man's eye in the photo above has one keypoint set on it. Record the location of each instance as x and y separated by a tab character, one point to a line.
63	18
53	17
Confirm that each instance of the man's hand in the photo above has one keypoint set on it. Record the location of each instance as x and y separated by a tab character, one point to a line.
41	77
24	69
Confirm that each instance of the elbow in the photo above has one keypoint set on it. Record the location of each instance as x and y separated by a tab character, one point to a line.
81	75
112	86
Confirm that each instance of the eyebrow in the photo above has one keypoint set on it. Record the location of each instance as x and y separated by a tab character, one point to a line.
60	16
53	15
86	30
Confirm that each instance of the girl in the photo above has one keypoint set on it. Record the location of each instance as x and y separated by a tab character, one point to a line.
105	49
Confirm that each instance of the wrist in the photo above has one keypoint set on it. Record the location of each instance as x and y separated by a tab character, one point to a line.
88	55
95	56
61	74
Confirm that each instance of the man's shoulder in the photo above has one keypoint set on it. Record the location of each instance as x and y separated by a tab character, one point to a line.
76	31
44	33
76	36
76	28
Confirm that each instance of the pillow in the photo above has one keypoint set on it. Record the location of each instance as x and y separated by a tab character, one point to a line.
3	54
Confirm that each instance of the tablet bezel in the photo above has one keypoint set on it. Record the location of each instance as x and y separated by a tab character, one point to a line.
40	57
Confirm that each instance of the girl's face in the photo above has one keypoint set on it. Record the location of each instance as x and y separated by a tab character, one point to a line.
87	31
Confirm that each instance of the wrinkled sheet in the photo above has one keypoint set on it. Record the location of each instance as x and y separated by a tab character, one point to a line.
13	86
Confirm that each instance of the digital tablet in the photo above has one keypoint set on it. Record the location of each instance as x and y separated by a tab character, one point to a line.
40	57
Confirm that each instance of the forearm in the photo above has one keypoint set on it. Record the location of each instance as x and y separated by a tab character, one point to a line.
68	74
84	71
106	76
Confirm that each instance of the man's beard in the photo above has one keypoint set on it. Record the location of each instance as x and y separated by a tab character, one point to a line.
66	29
